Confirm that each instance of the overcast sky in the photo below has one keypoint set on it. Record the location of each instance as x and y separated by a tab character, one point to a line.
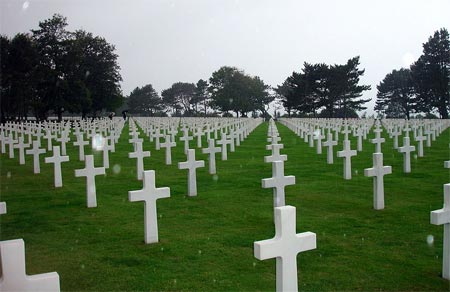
165	41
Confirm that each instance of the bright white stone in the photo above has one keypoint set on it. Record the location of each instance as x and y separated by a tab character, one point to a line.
14	277
2	208
36	151
406	149
191	165
149	194
276	156
80	143
278	181
168	145
347	154
211	150
284	247
329	143
442	217
377	172
139	155
90	172
57	159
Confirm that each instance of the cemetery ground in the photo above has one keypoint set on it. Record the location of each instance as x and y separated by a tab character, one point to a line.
206	242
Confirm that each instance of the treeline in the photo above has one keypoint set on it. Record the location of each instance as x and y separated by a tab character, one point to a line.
422	88
321	90
52	70
228	90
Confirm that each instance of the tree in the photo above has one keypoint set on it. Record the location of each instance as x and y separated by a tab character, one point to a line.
144	100
233	90
347	86
202	95
93	74
396	92
431	75
221	88
335	89
5	78
284	95
179	97
51	41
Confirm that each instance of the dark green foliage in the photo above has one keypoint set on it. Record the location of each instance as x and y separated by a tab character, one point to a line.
431	74
179	97
201	96
332	88
144	101
19	60
56	70
233	90
395	96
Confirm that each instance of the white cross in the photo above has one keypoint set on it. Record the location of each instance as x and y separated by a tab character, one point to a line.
406	129
135	139
318	136
10	141
191	165
49	137
63	140
442	217
186	138
168	145
2	208
149	194
346	131
139	155
276	156
347	154
420	138
57	159
14	277
274	138
157	136
330	143
21	146
406	149
199	133
285	246
395	133
224	141
230	141
377	172
278	181
211	150
80	143
89	171
378	140
3	140
36	151
359	135
105	151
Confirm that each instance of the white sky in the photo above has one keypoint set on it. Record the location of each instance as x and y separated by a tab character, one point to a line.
165	41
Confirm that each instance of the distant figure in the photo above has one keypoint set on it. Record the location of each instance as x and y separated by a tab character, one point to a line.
111	115
124	115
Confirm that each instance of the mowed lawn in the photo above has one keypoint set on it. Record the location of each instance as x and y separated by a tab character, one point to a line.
206	242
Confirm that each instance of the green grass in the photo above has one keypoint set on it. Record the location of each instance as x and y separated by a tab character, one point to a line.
206	242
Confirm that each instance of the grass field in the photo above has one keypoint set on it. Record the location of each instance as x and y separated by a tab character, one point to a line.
206	242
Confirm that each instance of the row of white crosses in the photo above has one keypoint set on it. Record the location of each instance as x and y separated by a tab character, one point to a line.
149	194
438	217
58	158
287	243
